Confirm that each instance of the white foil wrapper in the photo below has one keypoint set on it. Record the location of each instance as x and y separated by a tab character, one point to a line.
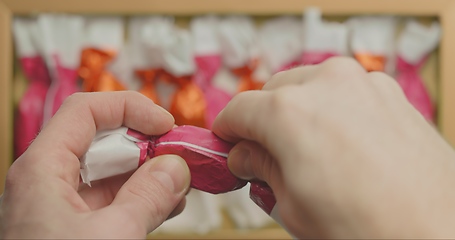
281	43
113	148
417	41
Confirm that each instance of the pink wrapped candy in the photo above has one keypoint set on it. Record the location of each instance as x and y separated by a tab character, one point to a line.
122	150
206	156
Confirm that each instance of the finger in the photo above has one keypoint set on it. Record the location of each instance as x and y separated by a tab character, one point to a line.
69	133
232	124
294	76
151	194
249	114
248	160
177	210
101	193
335	68
386	87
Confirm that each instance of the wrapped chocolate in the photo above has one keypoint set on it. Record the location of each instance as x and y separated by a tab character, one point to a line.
208	60
188	104
145	37
240	50
122	150
104	38
114	152
414	45
373	41
62	55
29	117
322	40
122	68
280	41
204	153
263	196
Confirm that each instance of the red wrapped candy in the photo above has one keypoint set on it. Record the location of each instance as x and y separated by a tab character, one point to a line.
205	154
119	151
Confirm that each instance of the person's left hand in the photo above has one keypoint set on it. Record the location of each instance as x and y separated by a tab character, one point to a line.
43	196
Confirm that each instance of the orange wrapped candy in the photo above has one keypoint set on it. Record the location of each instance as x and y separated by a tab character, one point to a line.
92	71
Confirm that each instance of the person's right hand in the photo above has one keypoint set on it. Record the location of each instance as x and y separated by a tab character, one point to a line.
344	152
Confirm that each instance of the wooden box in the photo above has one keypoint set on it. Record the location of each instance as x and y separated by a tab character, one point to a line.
443	10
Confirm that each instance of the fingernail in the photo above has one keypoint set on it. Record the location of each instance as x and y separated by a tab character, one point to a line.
172	172
240	161
165	111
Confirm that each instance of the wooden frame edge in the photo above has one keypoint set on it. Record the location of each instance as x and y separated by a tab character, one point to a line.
254	7
447	74
6	76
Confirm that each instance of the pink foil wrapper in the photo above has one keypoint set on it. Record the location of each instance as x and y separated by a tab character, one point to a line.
65	84
414	88
263	196
311	58
216	98
206	156
30	110
289	66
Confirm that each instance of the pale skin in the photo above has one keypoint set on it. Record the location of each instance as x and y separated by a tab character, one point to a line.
44	199
346	155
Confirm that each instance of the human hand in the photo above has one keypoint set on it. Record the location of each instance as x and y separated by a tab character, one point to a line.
345	153
43	196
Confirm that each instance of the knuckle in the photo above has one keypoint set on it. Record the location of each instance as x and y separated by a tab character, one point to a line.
75	98
287	101
280	99
279	75
11	177
384	82
342	67
342	61
289	105
17	175
267	168
276	78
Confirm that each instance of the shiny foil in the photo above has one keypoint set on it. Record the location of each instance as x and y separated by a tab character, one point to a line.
247	80
414	88
148	78
311	58
205	154
93	71
29	118
188	105
371	62
216	98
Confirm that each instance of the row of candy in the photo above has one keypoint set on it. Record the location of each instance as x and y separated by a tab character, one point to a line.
194	72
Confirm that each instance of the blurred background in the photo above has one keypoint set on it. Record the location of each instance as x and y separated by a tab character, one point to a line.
193	64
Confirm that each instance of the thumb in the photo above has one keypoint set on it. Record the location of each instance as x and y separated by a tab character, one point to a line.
154	191
249	160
